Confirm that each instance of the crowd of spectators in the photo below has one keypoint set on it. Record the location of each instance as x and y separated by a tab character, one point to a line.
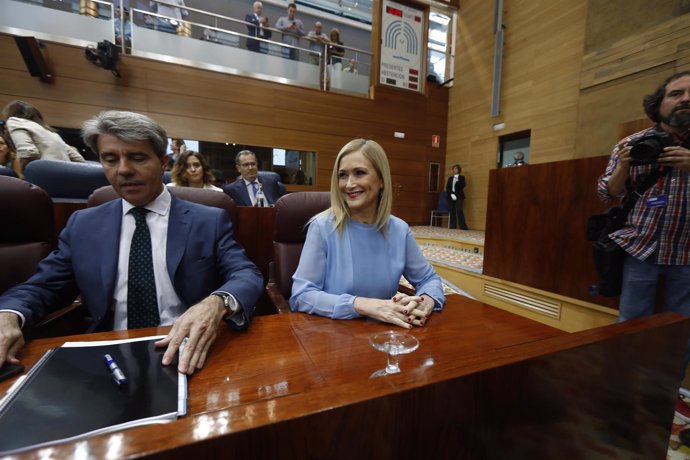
169	17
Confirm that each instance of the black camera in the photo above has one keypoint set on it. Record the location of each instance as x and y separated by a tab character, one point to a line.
647	148
105	55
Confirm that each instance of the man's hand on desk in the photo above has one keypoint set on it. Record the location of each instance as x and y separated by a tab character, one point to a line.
200	324
11	338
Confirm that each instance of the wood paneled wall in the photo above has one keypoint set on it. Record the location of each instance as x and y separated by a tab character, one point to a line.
572	100
535	230
616	77
540	88
199	104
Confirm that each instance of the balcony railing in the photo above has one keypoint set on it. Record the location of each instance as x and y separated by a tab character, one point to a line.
202	40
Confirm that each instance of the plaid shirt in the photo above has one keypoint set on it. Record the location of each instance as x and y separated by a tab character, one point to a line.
662	231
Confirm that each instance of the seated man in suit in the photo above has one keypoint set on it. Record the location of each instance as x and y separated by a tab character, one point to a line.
244	189
145	260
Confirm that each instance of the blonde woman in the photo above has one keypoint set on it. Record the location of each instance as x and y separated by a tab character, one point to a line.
356	251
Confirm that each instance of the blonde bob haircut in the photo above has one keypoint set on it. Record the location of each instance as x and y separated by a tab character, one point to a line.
373	152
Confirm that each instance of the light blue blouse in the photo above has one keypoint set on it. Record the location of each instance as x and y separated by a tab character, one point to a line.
359	262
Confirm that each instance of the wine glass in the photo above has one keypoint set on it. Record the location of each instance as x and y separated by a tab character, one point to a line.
393	344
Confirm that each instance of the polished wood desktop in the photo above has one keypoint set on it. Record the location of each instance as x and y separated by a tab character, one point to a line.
483	382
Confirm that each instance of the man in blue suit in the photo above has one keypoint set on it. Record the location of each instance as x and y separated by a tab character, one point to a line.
243	189
194	273
258	28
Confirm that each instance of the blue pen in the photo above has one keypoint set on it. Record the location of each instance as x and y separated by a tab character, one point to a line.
115	371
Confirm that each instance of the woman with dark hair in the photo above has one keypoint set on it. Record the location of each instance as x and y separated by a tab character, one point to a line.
356	251
8	157
191	170
33	138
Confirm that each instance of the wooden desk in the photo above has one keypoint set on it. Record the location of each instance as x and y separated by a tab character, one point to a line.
254	232
484	383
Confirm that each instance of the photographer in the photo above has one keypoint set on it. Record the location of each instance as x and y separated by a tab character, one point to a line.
656	235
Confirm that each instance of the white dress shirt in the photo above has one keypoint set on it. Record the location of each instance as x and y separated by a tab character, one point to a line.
250	189
169	304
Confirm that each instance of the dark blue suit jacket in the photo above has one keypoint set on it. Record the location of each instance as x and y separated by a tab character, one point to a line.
202	257
238	190
255	31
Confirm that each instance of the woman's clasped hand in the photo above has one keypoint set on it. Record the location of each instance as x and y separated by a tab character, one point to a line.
402	310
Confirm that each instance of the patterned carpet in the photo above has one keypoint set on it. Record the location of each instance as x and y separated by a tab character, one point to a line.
469	236
676	450
463	259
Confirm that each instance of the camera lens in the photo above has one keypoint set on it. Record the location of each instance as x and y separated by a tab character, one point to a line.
646	151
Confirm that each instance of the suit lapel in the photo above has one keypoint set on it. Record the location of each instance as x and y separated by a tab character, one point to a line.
179	225
110	237
245	193
267	190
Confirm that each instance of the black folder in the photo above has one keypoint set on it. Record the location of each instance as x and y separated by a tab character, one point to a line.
71	394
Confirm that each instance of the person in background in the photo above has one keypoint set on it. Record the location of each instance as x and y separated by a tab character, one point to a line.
317	41
173	14
177	146
335	50
656	235
148	259
192	170
33	138
292	30
8	157
257	27
218	178
244	189
519	159
456	194
356	251
127	28
351	67
210	35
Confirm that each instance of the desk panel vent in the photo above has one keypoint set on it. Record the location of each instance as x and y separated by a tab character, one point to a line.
543	307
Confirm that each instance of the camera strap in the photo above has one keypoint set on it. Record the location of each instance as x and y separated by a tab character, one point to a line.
634	195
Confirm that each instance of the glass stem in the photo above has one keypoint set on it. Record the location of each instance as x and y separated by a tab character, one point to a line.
392	367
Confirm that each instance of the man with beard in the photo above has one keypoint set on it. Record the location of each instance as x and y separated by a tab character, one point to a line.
656	235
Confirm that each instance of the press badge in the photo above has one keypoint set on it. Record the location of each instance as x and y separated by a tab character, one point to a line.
657	201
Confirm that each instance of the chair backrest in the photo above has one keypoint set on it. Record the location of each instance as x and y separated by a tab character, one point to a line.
27	230
292	212
206	197
443	203
276	176
5	171
65	179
